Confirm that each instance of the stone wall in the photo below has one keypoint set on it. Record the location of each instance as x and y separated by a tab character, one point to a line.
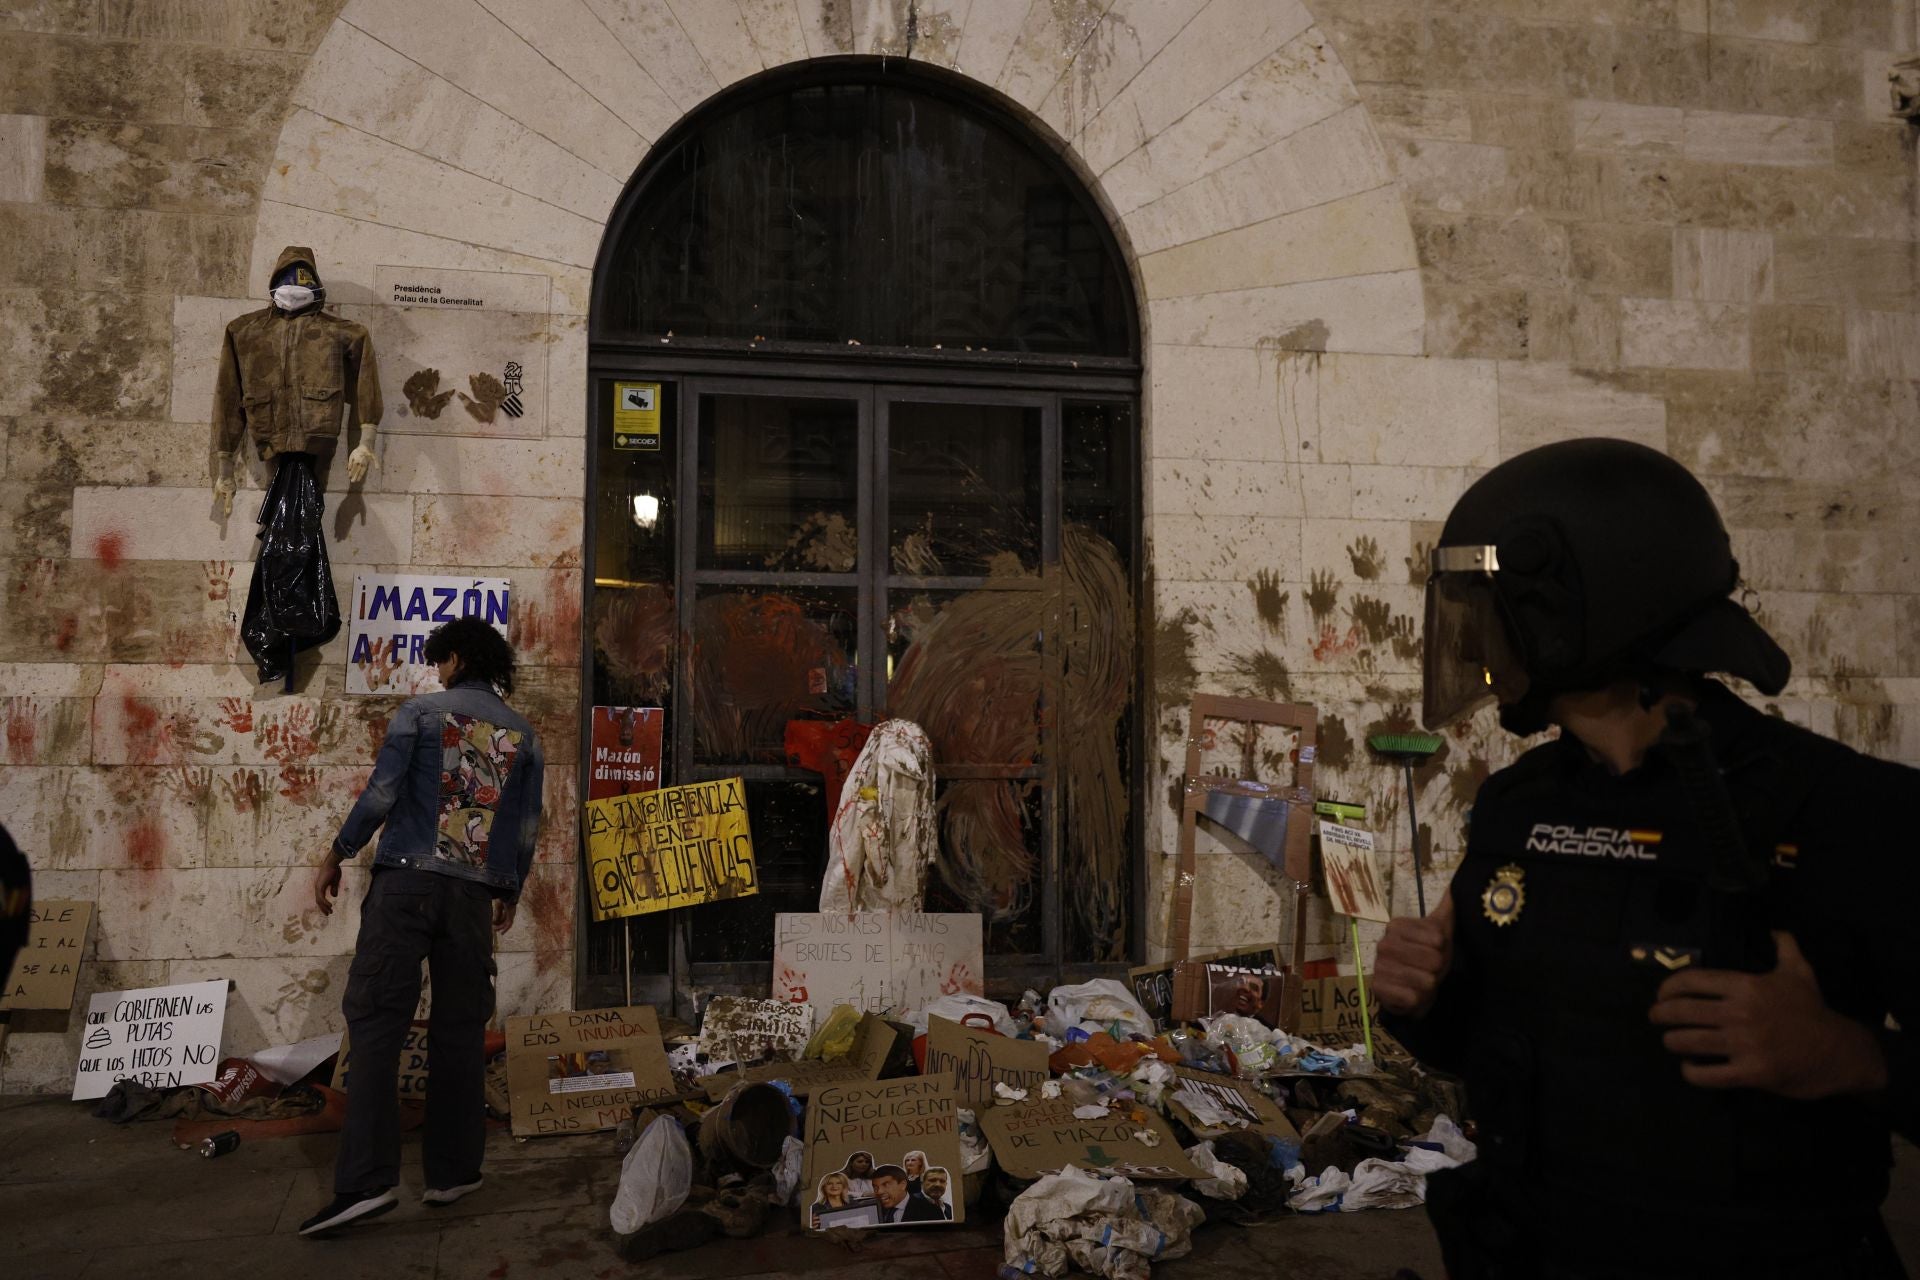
1380	245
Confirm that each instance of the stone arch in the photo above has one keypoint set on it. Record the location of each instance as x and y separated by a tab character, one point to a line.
1225	137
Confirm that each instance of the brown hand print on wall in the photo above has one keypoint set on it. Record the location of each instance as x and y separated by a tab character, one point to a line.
488	392
424	396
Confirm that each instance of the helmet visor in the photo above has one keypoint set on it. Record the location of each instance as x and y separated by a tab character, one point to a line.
1469	655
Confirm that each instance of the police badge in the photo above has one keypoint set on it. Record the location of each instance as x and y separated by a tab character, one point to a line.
1503	897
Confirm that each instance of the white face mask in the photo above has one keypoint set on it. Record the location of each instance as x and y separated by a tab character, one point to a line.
292	297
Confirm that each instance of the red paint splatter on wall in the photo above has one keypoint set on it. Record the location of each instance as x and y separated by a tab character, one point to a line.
63	636
110	549
549	911
21	731
146	845
146	734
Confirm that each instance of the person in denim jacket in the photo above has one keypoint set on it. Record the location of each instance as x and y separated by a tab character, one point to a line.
457	786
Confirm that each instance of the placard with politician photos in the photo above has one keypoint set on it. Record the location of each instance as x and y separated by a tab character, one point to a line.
870	1192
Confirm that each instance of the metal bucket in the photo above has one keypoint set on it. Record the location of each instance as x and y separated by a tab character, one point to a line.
750	1125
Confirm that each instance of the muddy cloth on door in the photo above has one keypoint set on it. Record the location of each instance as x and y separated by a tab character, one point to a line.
883	837
291	605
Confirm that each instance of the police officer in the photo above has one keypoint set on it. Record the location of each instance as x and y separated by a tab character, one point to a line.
1666	964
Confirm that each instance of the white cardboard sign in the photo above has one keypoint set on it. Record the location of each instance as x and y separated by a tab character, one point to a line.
390	615
877	961
162	1037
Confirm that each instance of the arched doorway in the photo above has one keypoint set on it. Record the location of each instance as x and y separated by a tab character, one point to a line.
879	352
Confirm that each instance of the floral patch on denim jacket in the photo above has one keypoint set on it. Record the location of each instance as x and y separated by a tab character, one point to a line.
476	758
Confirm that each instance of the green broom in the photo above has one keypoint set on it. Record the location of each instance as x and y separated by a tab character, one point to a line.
1409	749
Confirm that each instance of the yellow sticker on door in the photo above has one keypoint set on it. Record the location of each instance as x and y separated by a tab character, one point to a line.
636	415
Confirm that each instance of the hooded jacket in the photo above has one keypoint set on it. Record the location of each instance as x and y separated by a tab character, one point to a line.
286	376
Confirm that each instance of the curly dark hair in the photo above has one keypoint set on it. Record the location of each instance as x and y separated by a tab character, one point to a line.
483	652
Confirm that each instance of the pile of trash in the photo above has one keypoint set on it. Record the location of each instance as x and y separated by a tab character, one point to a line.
1165	1130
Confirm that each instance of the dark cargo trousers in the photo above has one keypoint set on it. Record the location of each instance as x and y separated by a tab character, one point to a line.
409	917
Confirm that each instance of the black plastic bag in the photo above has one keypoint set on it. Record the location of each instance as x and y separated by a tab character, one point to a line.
291	606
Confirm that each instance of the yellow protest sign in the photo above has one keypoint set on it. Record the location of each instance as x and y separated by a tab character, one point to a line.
675	847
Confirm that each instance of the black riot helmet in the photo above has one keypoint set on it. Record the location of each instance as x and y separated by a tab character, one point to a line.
1574	564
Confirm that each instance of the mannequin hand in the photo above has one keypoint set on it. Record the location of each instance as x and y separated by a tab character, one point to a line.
359	462
503	913
1413	957
223	494
1774	1030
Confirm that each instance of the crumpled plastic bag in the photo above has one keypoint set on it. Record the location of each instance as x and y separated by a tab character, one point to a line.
833	1039
955	1008
1236	1032
1317	1195
1384	1184
1117	1056
1455	1147
1149	1080
1099	1004
1223	1181
975	1154
655	1177
1105	1226
786	1170
291	605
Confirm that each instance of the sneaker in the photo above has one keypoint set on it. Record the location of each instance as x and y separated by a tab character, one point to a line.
346	1209
441	1197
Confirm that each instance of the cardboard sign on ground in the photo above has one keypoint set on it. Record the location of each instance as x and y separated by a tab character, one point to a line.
872	1045
1330	1007
1255	1110
413	1064
1206	990
876	961
742	1029
45	971
1032	1139
1152	984
973	1061
908	1126
586	1070
676	847
162	1037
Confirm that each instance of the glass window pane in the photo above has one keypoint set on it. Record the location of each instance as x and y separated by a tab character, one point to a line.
871	212
764	656
1098	466
993	860
789	824
966	667
631	625
963	489
779	483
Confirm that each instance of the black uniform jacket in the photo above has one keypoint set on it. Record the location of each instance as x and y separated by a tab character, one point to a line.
1588	1131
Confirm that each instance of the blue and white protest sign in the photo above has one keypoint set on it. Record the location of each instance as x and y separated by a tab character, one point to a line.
391	615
